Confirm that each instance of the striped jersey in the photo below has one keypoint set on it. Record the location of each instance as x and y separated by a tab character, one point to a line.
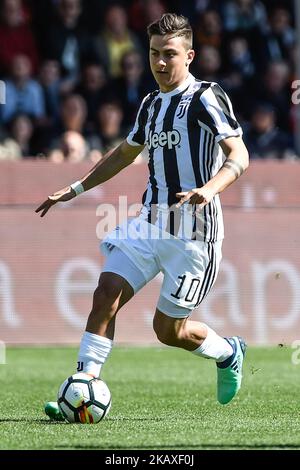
181	130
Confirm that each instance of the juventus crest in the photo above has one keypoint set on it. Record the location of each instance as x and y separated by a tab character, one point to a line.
182	107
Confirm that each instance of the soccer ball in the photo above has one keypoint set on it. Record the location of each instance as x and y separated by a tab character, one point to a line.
84	399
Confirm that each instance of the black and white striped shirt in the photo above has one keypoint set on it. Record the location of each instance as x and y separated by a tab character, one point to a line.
181	130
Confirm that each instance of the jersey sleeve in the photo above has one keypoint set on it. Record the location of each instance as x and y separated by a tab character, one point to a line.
137	136
216	113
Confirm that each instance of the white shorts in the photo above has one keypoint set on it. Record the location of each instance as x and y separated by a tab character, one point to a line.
190	268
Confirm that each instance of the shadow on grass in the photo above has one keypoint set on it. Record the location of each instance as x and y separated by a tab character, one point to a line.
30	420
185	447
48	421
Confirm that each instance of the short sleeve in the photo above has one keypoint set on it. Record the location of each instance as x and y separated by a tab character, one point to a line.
216	113
137	136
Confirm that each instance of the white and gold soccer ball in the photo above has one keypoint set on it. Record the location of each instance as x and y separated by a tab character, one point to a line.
84	399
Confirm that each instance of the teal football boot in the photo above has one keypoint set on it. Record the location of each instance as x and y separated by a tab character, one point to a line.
230	371
52	410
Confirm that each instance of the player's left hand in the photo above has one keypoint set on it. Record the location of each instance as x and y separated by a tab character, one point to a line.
199	196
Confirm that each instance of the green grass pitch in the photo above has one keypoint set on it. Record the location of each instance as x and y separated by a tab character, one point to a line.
162	398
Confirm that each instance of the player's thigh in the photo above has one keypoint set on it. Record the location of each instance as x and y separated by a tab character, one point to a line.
131	253
190	271
121	273
134	240
119	281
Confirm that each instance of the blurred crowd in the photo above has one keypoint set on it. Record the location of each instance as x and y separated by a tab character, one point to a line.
75	71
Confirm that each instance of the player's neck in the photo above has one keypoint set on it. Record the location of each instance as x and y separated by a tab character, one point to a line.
179	85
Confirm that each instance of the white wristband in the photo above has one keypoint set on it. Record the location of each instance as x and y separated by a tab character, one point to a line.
77	187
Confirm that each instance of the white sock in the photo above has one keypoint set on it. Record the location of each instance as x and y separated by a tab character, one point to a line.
214	347
93	352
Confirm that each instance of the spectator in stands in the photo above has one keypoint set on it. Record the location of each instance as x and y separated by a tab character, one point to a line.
49	78
23	94
247	15
235	51
131	87
207	64
263	139
238	76
16	37
278	40
240	58
109	130
192	9
209	30
71	147
93	88
21	130
275	89
141	13
73	114
66	42
115	39
9	149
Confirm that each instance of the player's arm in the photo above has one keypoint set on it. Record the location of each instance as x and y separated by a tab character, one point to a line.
112	163
236	162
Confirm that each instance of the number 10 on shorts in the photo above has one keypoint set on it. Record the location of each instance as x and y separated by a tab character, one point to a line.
193	289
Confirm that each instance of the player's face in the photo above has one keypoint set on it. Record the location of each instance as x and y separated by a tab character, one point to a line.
169	61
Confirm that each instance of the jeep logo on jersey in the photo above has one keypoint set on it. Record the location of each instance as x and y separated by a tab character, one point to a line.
169	139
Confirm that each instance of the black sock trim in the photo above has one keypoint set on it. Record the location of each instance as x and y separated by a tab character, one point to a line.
229	360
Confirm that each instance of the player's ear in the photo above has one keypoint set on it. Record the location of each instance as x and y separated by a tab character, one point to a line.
190	57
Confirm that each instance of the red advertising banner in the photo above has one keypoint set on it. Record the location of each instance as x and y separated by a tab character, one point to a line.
49	267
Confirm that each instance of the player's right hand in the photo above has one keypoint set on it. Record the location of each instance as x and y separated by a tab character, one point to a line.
64	194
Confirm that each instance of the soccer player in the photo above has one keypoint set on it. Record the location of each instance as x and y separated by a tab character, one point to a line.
195	152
